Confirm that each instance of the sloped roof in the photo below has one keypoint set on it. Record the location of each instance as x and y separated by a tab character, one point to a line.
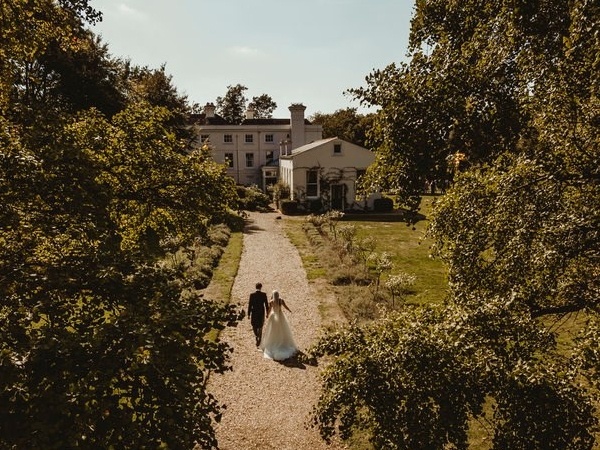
201	119
266	122
271	122
272	163
312	145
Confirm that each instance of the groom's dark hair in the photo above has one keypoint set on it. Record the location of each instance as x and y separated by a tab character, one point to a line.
258	286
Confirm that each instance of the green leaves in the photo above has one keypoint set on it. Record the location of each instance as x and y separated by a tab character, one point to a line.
513	88
404	379
100	347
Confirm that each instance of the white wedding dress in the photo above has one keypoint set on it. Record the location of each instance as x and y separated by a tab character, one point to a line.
277	340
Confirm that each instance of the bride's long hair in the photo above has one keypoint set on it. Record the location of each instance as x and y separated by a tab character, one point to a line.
275	296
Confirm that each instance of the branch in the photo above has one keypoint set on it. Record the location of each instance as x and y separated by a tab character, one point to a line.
553	310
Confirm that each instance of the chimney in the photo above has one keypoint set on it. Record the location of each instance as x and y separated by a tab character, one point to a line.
209	110
297	124
250	113
285	146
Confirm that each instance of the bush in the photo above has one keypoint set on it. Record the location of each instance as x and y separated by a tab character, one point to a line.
384	204
234	221
315	206
289	207
219	234
251	198
279	191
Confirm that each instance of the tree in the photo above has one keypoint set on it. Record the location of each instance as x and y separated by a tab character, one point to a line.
114	356
155	86
83	75
232	106
345	124
518	230
263	106
26	84
452	97
99	347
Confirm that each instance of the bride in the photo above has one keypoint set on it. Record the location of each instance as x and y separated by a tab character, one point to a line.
278	342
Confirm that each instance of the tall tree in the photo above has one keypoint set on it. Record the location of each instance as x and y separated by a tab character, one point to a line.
450	100
98	346
519	231
83	75
263	106
346	124
232	106
155	87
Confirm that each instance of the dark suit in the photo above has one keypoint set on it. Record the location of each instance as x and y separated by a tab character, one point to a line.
258	307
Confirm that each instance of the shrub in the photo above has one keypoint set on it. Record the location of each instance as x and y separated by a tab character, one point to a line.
315	206
234	221
279	191
251	198
289	207
219	234
384	204
399	285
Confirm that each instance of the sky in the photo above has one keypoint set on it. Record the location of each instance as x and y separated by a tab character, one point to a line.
296	51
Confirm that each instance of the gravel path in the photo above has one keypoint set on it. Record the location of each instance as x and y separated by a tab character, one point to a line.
269	403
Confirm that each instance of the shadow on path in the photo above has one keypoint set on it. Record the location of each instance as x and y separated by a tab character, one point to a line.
299	361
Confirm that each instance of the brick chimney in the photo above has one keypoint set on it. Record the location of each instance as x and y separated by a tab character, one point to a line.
209	110
297	124
250	113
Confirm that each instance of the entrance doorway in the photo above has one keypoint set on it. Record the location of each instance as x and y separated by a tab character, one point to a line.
338	198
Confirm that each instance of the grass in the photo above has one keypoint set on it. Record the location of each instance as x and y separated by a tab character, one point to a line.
407	246
310	260
410	253
224	274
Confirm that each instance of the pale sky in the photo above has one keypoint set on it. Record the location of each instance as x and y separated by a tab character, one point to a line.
296	51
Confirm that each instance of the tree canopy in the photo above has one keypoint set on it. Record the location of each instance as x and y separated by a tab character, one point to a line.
346	124
263	106
99	348
513	87
232	106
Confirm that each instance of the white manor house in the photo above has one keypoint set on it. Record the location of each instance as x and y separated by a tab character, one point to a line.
262	152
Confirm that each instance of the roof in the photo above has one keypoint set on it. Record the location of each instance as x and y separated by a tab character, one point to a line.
265	122
272	163
201	119
271	122
312	145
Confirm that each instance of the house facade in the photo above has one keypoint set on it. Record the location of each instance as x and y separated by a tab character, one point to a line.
252	149
326	172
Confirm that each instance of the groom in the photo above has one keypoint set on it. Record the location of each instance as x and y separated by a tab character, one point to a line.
258	309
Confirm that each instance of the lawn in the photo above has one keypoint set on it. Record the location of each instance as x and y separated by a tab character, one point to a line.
409	250
406	246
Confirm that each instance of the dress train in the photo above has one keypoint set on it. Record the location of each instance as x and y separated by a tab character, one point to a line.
278	341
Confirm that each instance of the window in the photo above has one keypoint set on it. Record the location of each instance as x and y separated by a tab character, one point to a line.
204	138
228	138
312	179
269	157
249	139
269	138
337	149
249	159
229	159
